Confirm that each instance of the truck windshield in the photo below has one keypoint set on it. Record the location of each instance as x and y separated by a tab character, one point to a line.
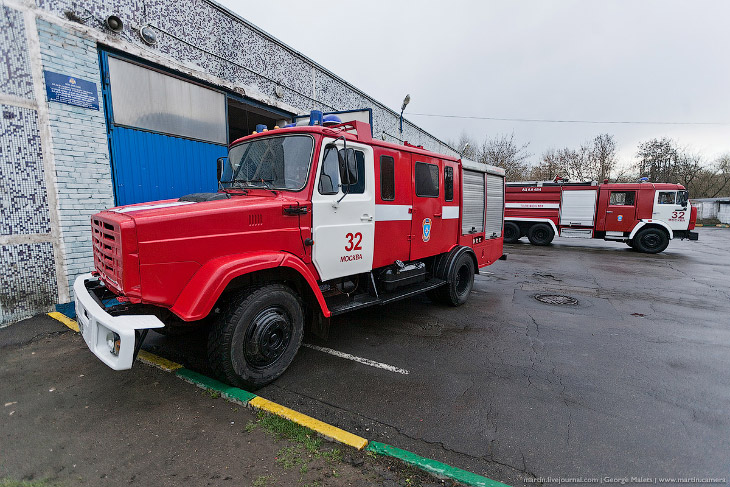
274	163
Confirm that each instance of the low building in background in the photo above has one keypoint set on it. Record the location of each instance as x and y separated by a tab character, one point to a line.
712	209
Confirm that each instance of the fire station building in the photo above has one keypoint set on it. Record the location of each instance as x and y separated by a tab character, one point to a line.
112	103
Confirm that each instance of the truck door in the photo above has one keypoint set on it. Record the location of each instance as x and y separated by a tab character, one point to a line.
343	217
427	233
621	210
671	208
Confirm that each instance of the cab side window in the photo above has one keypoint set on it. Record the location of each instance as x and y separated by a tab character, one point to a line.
329	179
626	198
387	178
359	186
427	180
666	197
449	183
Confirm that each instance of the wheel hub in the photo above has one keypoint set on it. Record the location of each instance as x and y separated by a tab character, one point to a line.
267	337
651	240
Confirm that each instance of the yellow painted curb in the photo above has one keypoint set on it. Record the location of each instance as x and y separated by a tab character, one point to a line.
65	320
324	429
159	362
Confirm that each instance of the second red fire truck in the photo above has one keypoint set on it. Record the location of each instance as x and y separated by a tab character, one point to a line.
311	221
644	215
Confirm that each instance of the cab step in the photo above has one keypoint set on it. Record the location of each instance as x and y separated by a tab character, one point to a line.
342	304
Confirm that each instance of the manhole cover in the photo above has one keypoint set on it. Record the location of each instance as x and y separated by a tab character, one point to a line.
556	299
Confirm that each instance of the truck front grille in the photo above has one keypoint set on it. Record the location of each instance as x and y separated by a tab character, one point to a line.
107	243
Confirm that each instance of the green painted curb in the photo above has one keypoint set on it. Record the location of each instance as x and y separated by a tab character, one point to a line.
432	466
228	392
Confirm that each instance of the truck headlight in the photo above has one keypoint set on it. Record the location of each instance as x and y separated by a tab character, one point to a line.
113	341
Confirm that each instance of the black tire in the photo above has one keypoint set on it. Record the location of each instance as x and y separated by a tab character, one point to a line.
651	240
459	282
540	234
511	232
257	338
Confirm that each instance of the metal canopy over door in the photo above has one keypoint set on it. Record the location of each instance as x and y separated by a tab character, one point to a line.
165	133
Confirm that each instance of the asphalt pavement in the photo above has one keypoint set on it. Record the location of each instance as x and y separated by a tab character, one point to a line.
633	380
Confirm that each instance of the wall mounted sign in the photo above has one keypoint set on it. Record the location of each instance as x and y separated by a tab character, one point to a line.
70	90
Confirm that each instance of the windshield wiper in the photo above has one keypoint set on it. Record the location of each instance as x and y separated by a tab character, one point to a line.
253	184
268	186
243	191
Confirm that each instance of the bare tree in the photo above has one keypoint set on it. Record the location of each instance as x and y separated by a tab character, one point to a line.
467	146
721	173
658	160
712	181
565	163
502	151
601	157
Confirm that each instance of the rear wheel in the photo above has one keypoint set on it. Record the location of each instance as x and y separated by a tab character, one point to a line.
511	232
459	282
651	240
540	234
257	338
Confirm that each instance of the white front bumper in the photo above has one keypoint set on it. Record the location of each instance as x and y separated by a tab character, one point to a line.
95	324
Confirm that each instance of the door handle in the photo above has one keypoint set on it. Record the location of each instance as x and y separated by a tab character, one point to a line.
609	211
437	215
366	218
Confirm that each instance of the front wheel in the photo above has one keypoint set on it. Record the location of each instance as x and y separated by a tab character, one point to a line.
511	232
651	240
540	234
257	338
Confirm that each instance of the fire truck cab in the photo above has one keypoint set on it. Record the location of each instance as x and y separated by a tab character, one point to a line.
310	221
644	215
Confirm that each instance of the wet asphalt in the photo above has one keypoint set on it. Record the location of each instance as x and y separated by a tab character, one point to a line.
629	379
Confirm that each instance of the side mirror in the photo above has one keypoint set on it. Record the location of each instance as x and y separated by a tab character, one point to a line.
348	166
221	166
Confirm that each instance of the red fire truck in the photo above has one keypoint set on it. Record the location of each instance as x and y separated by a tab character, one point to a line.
644	215
310	221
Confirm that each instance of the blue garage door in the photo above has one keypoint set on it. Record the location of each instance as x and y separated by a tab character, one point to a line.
165	133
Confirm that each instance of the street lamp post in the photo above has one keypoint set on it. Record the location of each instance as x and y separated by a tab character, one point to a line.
406	100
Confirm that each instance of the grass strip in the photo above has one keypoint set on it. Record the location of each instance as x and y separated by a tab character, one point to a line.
324	429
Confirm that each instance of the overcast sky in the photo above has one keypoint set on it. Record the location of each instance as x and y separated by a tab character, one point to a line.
651	61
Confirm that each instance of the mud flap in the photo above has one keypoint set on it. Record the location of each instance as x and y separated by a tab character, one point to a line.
320	326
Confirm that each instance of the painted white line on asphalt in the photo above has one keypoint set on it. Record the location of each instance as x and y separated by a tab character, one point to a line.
366	361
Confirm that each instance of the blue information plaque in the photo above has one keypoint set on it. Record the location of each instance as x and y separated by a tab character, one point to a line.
71	90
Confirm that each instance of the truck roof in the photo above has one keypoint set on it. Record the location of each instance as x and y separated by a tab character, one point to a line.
572	184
